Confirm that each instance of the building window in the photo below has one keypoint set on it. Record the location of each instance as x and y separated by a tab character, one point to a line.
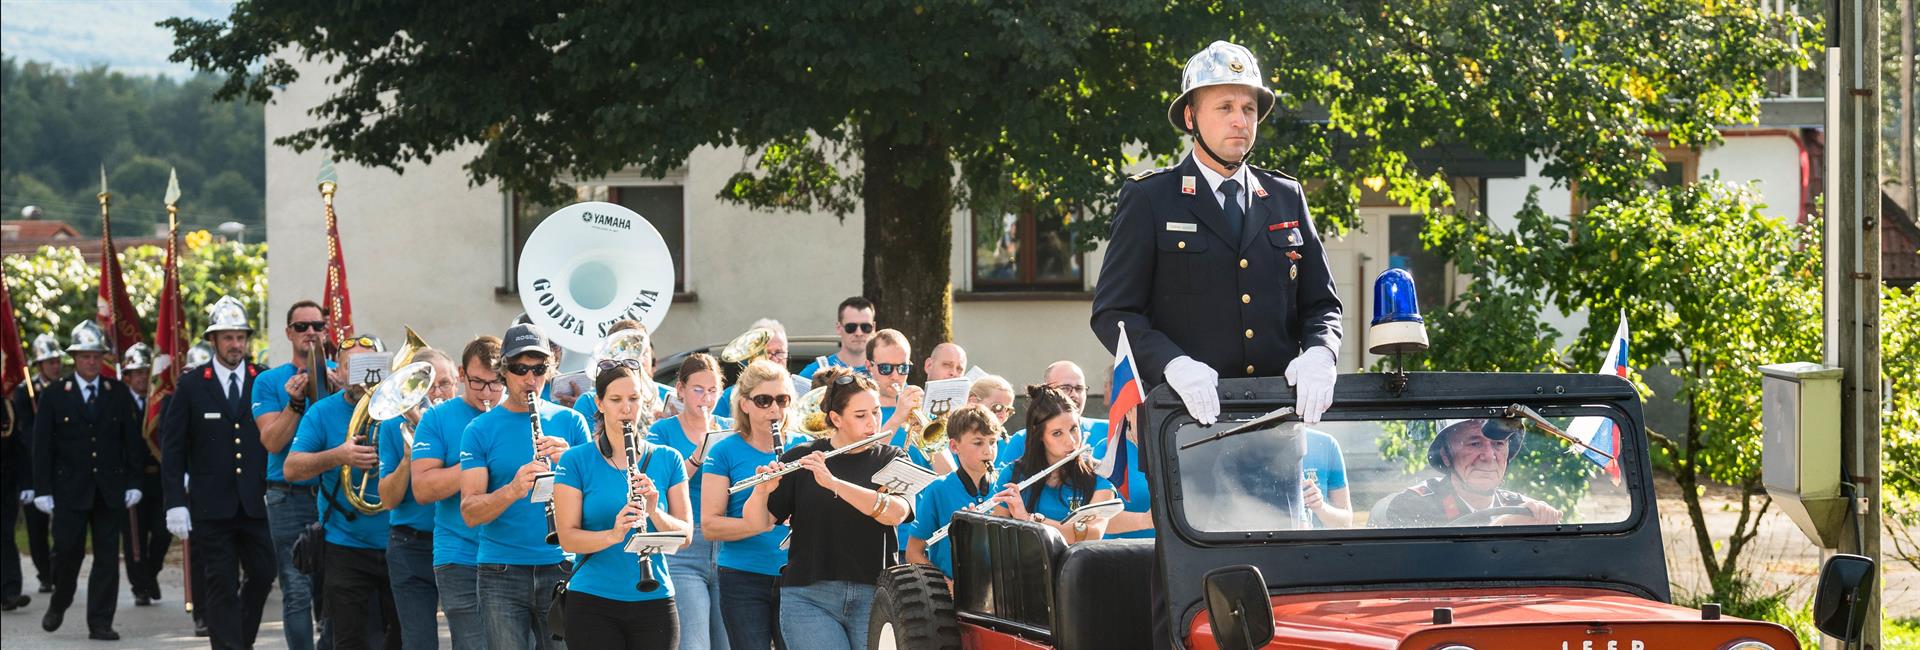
663	205
1404	251
1025	247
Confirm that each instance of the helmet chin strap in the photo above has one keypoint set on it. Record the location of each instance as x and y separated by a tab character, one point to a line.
1233	166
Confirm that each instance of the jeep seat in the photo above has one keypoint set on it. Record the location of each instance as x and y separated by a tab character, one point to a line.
1101	597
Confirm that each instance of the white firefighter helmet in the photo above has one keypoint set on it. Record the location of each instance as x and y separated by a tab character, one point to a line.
138	357
199	355
1221	64
87	337
226	315
46	346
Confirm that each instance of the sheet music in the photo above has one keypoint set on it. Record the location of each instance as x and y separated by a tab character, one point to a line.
663	543
1092	511
945	395
571	386
904	478
368	367
975	372
801	385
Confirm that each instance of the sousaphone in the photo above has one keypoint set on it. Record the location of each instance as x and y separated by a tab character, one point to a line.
589	265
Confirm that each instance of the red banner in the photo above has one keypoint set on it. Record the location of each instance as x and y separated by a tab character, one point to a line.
114	309
339	304
15	371
170	337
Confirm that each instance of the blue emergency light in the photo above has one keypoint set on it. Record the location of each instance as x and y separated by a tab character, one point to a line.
1397	326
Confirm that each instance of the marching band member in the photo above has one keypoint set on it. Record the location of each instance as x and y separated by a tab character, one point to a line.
776	351
853	322
750	556
692	433
1067	378
436	481
973	434
843	526
225	514
87	457
410	535
887	363
499	463
280	396
994	393
585	403
355	578
947	361
1052	415
595	510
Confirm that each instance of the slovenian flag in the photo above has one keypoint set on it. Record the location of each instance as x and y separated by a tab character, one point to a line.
1128	394
1602	433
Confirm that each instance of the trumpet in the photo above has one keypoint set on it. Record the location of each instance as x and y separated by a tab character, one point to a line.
927	432
1022	486
546	477
637	466
757	479
402	390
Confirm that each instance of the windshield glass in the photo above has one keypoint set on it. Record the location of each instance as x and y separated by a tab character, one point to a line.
1399	474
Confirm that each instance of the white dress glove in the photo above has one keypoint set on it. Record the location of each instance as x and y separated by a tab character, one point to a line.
133	497
1312	375
177	522
26	497
45	504
1198	386
186	484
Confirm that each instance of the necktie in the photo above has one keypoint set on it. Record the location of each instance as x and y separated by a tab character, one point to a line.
233	388
1236	215
92	392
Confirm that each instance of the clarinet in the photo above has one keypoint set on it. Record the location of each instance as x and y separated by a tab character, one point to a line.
533	419
636	466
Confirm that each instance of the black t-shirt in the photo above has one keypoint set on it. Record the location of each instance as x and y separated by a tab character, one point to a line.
831	539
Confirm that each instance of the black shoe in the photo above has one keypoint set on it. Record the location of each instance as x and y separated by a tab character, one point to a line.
104	635
141	601
16	602
200	628
52	620
46	587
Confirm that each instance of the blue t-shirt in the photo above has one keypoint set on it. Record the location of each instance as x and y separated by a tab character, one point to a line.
270	396
724	407
438	436
322	428
1055	502
1139	496
1323	458
500	441
934	507
670	432
410	513
612	572
832	361
736	459
1093	430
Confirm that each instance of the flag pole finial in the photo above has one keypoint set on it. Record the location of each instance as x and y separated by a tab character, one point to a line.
329	180
172	198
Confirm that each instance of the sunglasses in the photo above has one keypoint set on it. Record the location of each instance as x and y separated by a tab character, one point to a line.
609	364
863	328
360	342
894	368
520	370
308	326
764	401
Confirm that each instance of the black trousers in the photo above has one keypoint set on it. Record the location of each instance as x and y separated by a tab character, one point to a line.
150	537
234	569
595	622
39	540
10	577
72	527
356	581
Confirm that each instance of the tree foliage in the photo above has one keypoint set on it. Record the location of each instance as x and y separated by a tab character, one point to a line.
55	288
61	126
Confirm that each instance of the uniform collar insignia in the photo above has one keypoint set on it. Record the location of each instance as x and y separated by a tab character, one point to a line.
1187	185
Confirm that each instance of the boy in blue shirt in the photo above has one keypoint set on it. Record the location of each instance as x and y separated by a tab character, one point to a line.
972	435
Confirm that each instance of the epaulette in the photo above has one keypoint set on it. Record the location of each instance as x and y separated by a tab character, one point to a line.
1147	174
1281	174
1422	489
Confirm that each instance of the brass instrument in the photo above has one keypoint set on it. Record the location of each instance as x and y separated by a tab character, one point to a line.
1022	486
637	466
757	479
925	431
399	392
533	419
748	346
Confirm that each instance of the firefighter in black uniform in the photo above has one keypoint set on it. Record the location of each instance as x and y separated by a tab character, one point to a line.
47	365
146	540
214	470
1213	265
1472	456
11	434
87	457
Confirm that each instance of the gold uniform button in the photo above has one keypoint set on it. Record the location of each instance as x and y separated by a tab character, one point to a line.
1249	333
236	425
236	455
236	441
94	455
236	470
1243	263
1249	369
1182	245
1245	298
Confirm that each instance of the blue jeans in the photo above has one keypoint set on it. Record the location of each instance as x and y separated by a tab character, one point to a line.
461	603
514	601
827	614
288	514
752	606
696	588
415	598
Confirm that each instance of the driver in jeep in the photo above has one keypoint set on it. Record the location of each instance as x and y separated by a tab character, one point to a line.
1472	456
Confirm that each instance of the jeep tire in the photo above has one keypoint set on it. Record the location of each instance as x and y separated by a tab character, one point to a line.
913	606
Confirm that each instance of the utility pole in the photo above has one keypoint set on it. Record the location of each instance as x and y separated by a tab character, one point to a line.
1852	261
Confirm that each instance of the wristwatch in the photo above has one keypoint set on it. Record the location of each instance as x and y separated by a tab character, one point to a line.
1080	526
1037	517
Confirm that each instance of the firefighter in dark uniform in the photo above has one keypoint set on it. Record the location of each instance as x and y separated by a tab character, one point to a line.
47	360
1213	266
12	451
214	470
1472	456
87	457
148	541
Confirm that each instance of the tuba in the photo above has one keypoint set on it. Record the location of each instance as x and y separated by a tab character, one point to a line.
399	392
747	346
806	417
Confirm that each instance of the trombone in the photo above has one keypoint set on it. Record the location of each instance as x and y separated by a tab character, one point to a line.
402	390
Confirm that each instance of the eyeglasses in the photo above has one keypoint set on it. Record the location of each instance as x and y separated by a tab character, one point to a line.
609	364
1080	389
777	355
701	391
520	370
894	368
476	383
308	326
863	328
999	408
764	401
360	342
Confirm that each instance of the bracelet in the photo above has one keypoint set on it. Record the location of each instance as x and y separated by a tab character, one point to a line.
880	504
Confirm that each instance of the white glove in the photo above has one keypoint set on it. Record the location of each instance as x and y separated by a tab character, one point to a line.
1198	386
177	522
1311	375
133	497
186	484
45	504
26	497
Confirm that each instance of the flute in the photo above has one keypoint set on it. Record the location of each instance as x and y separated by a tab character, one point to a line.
533	420
762	478
1017	488
636	466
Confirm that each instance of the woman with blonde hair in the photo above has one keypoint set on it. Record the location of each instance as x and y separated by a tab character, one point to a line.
750	556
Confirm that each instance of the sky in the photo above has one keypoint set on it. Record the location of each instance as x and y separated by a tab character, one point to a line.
118	33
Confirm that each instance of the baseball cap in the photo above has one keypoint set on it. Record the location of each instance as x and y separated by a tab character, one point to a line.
522	339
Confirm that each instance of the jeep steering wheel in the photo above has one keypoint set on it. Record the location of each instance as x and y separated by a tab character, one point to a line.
1484	517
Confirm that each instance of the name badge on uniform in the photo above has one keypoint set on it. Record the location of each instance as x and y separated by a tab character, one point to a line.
210	416
1181	226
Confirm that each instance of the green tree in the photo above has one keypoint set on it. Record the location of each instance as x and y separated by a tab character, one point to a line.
1900	418
880	106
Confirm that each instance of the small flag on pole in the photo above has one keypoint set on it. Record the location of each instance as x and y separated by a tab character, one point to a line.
1599	432
1128	394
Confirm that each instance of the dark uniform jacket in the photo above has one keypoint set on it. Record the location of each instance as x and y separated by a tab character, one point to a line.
205	436
1431	503
80	452
1243	303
